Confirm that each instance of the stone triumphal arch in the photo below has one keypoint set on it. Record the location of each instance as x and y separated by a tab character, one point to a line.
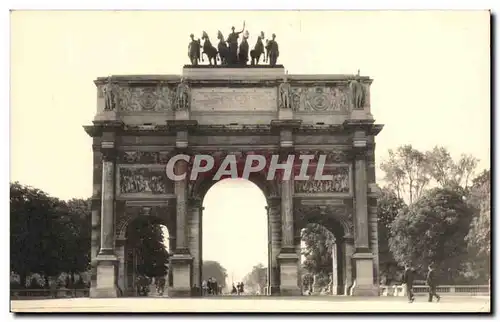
143	120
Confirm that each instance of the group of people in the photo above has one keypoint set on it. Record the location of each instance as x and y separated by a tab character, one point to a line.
409	278
238	289
211	287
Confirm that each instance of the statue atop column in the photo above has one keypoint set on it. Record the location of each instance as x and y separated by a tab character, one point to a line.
110	96
232	41
284	92
357	93
182	95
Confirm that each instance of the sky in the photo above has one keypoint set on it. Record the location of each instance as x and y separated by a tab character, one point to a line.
431	72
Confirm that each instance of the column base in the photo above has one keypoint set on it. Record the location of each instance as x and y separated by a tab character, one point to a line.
363	285
275	291
289	274
364	290
106	282
182	275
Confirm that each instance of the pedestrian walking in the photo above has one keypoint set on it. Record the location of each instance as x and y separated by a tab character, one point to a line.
432	283
408	277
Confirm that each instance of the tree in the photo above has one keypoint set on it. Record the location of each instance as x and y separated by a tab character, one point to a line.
318	251
479	236
216	270
409	172
406	172
448	173
257	278
148	241
76	220
433	230
34	232
388	207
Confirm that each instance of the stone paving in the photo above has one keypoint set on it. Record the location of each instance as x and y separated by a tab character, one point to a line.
255	304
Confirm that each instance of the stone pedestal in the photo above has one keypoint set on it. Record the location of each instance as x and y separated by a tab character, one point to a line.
106	116
364	276
285	114
289	274
106	283
182	266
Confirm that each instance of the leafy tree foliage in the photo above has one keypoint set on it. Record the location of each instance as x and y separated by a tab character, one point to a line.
433	230
148	241
216	270
318	242
388	207
257	278
35	238
479	237
409	172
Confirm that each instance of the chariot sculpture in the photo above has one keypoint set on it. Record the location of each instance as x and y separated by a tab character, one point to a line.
232	52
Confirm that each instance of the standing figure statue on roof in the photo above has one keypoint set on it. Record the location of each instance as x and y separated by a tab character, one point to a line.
110	97
194	50
232	40
272	50
357	93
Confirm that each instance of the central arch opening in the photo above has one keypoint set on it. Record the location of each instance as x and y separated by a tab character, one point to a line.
235	242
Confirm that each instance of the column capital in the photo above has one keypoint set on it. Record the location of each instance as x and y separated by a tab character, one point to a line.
108	150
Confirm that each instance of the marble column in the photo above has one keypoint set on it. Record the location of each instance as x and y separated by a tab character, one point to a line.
182	259
194	237
171	249
348	270
288	259
275	234
363	255
335	282
373	219
106	282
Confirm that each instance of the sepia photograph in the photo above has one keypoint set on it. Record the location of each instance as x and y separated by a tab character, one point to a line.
250	161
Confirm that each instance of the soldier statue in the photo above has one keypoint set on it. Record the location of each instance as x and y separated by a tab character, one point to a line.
357	93
110	97
284	90
194	50
272	50
232	40
182	95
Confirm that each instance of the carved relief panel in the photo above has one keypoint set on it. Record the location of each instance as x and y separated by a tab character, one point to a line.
143	181
320	99
341	182
146	98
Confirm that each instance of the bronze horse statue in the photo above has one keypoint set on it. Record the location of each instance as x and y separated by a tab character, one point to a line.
194	50
223	49
258	50
208	49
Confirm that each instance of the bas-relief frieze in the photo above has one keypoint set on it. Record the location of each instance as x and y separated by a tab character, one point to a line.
144	157
233	99
144	99
334	156
320	99
143	181
341	182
